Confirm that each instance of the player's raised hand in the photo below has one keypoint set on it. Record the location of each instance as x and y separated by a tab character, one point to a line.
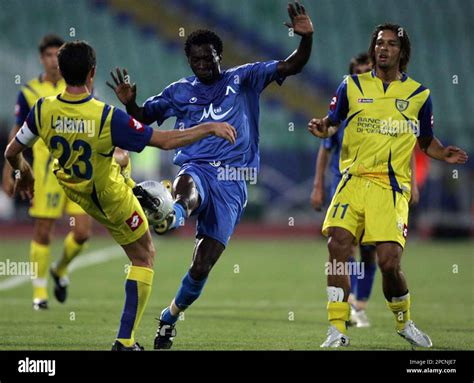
225	130
318	128
455	155
126	92
24	183
300	21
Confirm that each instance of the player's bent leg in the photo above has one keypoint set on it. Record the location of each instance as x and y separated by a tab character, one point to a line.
340	243
396	293
137	291
206	253
186	200
40	255
74	243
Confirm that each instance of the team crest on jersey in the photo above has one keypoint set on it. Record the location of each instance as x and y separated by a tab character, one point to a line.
136	125
134	221
401	105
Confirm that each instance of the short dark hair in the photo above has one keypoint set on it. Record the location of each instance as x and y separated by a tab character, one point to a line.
405	46
76	59
49	41
361	58
201	37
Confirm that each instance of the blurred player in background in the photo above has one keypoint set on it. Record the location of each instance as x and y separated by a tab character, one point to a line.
89	175
386	112
329	152
212	95
50	200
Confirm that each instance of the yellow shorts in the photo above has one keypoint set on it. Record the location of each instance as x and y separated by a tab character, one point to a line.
117	209
50	201
370	212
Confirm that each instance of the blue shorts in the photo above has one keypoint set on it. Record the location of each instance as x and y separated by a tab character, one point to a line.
222	202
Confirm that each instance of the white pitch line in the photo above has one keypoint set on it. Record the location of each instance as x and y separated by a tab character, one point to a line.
83	261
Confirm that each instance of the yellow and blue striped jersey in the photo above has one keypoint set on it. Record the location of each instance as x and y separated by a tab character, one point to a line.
28	95
81	133
383	122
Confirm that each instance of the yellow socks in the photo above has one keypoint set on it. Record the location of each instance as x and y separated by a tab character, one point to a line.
137	290
338	315
40	254
400	306
71	250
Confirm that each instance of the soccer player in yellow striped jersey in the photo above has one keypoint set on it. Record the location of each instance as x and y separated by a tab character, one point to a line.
81	133
50	200
386	113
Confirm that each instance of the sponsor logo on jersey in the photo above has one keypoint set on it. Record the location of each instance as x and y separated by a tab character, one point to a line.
134	221
365	100
214	113
136	125
405	230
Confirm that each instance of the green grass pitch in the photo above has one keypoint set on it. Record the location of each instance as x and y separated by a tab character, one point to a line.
261	295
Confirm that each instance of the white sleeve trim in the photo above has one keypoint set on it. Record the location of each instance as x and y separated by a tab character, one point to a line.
25	136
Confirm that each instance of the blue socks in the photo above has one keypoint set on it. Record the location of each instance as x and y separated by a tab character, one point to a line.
189	291
180	214
364	285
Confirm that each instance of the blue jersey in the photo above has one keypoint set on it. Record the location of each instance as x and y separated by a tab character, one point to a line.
233	98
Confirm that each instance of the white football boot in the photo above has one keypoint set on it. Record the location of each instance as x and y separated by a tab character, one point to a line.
335	338
414	335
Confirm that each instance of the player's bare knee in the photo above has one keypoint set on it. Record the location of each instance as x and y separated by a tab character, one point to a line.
42	233
185	193
81	235
339	246
389	264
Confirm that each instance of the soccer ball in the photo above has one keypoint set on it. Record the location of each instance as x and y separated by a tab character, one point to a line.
163	202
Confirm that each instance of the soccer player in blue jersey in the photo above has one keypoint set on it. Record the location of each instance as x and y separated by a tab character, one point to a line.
212	94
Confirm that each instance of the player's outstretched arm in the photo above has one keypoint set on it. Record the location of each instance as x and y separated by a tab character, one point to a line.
127	94
301	25
24	181
177	138
435	149
322	127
